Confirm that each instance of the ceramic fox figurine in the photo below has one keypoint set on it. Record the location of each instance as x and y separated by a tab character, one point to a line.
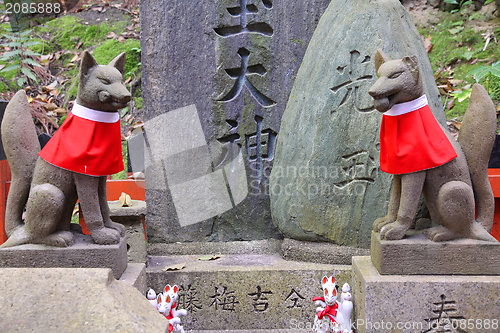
173	293
164	306
151	296
331	315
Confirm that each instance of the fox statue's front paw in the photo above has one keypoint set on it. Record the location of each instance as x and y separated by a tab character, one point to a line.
116	226
394	231
105	236
381	222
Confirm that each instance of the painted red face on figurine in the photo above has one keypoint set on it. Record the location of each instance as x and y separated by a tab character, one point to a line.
329	290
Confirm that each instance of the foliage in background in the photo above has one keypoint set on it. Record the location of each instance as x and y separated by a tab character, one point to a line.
489	76
457	45
20	57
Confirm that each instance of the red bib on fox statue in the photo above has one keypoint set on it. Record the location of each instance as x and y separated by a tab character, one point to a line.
88	142
412	140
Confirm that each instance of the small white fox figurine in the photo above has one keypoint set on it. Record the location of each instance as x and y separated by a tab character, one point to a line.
331	315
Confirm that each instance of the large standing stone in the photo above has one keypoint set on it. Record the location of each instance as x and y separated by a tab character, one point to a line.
216	78
326	184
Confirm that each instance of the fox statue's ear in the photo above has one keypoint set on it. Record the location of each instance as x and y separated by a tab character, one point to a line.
87	63
380	58
119	62
412	64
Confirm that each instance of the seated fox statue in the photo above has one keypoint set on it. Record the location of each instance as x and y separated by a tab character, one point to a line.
73	165
424	158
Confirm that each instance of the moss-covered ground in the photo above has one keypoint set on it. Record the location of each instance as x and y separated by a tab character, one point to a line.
103	29
459	44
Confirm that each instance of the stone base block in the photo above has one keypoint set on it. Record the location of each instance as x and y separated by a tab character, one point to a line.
417	303
76	300
323	253
84	253
135	276
244	291
418	255
132	218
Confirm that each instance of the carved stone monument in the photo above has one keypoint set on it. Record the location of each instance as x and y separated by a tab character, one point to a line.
216	79
326	183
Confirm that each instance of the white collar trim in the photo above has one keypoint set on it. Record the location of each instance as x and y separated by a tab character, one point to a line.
407	107
94	115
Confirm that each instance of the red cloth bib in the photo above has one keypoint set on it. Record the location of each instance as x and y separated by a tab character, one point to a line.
412	140
88	142
329	311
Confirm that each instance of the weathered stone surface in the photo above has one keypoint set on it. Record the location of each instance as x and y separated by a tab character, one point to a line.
265	246
132	218
431	303
84	253
244	292
73	300
135	276
326	184
216	78
417	255
320	252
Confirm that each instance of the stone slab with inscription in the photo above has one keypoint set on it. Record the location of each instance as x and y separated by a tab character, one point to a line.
326	184
423	303
244	291
216	79
416	254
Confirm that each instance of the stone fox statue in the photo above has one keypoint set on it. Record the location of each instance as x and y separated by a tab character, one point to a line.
73	164
424	158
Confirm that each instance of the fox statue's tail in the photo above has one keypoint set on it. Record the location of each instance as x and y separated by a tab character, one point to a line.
21	147
477	136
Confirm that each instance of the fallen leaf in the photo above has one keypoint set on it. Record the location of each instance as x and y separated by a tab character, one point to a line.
61	111
451	104
2	67
112	35
75	58
428	44
139	124
177	267
455	82
208	258
121	39
50	107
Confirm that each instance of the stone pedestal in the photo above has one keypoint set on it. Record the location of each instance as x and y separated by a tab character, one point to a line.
416	254
132	218
84	253
423	303
254	290
73	300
